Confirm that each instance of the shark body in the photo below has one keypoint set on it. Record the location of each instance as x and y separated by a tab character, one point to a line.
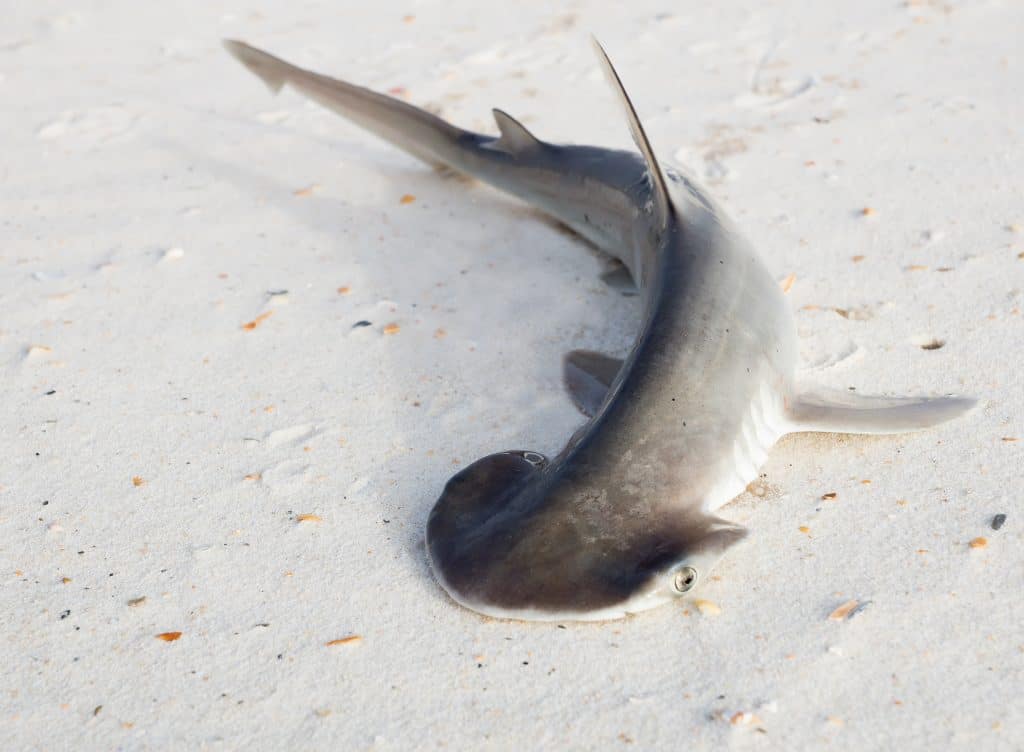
623	518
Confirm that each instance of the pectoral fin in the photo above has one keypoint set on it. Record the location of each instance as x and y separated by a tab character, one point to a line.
848	412
588	375
619	279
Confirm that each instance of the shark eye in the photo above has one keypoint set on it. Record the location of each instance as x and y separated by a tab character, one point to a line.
685	579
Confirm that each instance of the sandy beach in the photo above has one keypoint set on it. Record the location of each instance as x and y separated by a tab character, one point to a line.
244	344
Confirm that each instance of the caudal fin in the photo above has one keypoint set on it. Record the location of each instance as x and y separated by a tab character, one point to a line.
273	71
416	131
846	412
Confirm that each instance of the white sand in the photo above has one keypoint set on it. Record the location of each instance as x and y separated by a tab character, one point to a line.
151	197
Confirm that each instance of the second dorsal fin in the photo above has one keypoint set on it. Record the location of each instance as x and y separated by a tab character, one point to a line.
659	189
515	139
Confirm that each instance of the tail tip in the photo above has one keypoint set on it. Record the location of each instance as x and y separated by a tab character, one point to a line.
268	68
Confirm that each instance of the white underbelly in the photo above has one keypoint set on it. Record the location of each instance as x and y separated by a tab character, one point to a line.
762	425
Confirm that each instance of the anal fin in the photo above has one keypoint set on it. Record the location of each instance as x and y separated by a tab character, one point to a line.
588	375
848	412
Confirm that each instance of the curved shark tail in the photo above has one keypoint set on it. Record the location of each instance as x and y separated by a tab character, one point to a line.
846	412
411	129
273	71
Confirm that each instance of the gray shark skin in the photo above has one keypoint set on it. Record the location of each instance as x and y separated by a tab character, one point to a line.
622	519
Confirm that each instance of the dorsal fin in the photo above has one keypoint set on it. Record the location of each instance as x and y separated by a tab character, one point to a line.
515	139
662	205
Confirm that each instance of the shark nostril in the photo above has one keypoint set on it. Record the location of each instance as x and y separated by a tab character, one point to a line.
534	458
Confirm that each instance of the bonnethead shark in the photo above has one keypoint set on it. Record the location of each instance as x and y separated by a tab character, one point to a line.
623	518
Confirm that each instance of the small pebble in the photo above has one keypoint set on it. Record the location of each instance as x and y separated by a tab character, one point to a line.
978	542
361	324
998	521
391	328
350	640
309	518
743	718
136	602
845	611
249	326
408	198
137	480
168	636
708	608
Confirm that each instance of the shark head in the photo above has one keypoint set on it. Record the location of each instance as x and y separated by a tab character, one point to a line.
508	540
702	545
